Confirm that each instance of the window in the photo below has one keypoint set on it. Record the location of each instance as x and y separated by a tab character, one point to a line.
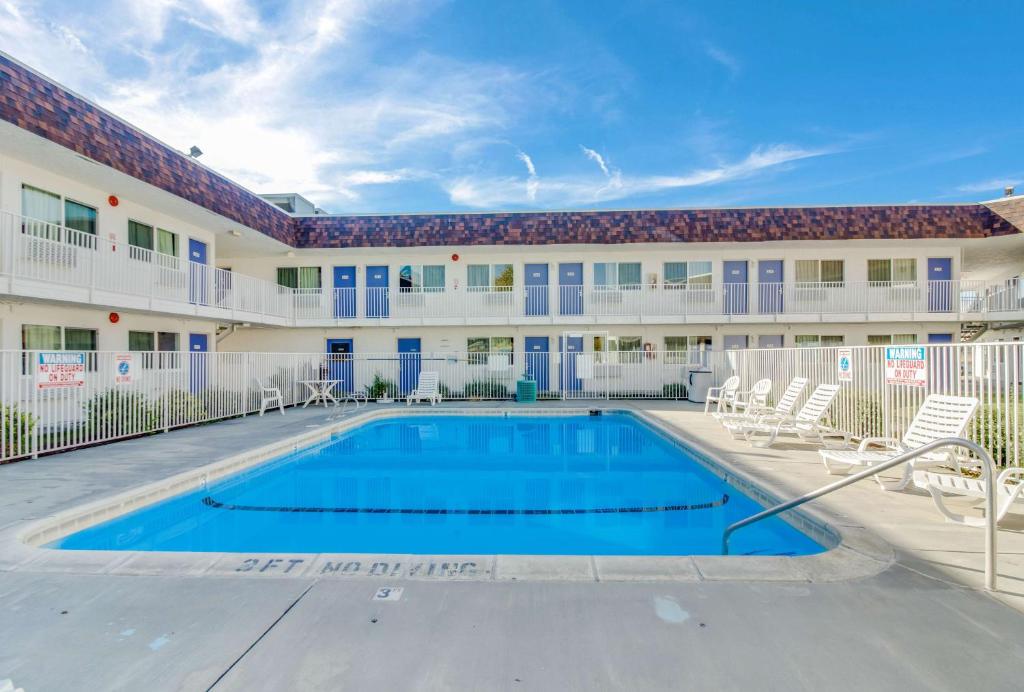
886	339
298	277
814	340
428	278
79	217
483	277
166	343
894	270
140	240
691	274
481	348
684	349
42	212
819	271
38	337
620	349
166	242
617	275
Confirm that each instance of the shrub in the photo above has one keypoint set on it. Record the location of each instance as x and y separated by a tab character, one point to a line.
15	431
868	420
380	388
118	412
221	403
178	407
999	436
486	389
674	390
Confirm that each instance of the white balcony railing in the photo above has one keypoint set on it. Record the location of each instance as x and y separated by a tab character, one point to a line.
34	254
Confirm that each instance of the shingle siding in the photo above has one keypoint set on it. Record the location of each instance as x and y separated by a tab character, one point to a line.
41	107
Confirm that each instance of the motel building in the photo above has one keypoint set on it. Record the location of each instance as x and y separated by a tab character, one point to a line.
113	241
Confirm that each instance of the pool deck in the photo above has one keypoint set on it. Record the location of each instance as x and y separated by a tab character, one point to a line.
902	611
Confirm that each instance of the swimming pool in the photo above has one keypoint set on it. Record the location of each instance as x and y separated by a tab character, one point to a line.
462	484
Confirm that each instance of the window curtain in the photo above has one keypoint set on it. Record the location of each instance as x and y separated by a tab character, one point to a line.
879	270
832	271
309	277
140	341
904	270
167	243
479	276
807	272
41	209
288	277
140	235
675	273
79	217
79	339
629	274
40	337
603	273
698	273
433	277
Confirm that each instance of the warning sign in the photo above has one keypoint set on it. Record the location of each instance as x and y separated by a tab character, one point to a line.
56	369
906	365
124	368
844	364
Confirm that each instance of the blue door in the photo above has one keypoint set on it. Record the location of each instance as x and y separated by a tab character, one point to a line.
536	289
344	292
940	297
735	287
940	338
377	292
340	366
196	271
538	360
408	365
570	288
570	349
769	286
198	344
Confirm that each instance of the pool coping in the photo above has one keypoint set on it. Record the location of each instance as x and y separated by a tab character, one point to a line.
852	552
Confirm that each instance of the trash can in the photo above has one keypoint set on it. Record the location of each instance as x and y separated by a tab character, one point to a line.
526	390
700	381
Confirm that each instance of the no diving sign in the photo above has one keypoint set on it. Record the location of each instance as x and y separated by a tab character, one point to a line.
844	364
906	365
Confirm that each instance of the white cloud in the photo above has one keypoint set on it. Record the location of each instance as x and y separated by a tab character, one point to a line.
493	192
722	57
992	185
596	158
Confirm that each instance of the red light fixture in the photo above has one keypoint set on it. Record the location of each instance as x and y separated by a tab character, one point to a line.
114	318
113	200
455	257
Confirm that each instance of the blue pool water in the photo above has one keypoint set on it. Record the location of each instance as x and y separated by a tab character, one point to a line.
588	485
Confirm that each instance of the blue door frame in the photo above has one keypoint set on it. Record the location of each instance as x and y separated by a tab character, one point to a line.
196	271
408	365
735	281
536	289
344	292
570	288
377	292
198	345
570	349
538	360
769	286
940	273
340	366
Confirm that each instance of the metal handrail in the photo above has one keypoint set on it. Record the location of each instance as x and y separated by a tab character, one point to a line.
989	473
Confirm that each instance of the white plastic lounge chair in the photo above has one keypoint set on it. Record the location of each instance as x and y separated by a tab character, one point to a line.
806	425
734	422
939	484
722	396
749	402
939	416
427	389
269	397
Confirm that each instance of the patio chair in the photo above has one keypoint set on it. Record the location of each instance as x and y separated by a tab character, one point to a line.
939	416
940	484
806	425
427	389
722	396
269	397
734	422
750	401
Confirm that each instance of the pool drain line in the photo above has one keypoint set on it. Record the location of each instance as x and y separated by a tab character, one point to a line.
210	502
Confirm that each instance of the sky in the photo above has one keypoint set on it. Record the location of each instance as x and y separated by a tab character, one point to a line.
369	106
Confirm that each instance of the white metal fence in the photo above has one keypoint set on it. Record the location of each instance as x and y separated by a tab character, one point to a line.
49	403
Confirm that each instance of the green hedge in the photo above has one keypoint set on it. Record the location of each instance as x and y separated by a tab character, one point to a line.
16	428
